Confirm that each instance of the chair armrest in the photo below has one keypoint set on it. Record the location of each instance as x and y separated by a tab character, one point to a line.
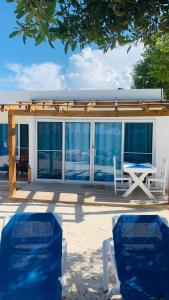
64	260
112	254
108	251
114	219
64	256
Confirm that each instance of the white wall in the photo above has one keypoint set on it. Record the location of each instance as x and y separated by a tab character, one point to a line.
19	120
162	141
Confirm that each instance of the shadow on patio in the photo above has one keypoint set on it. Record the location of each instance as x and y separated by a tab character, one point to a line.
80	193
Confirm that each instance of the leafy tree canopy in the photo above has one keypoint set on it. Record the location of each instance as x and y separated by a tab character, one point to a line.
104	22
153	70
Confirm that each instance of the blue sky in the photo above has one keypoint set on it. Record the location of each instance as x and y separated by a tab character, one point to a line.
14	50
31	67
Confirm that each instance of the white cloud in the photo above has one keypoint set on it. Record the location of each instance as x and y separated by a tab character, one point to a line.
89	69
46	76
93	69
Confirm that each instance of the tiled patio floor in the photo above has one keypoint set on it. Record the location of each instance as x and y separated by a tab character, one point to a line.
79	193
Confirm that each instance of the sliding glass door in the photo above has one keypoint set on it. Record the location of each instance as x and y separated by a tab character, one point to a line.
49	156
77	151
84	151
108	143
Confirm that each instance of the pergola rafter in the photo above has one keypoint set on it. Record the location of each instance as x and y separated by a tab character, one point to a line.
87	106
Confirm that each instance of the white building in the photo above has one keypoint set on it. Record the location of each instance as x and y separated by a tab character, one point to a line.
81	148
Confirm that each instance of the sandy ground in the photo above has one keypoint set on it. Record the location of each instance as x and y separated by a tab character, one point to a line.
84	227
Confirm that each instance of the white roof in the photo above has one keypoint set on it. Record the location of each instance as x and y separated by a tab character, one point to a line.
11	97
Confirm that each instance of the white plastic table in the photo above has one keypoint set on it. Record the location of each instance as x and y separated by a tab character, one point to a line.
138	173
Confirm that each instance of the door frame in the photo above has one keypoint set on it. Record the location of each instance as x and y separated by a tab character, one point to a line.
92	143
122	142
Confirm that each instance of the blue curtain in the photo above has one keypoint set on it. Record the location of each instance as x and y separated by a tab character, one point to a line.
24	142
50	150
4	146
24	135
4	139
77	151
108	141
138	142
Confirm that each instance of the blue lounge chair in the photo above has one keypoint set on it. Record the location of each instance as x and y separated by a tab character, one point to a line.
31	257
140	255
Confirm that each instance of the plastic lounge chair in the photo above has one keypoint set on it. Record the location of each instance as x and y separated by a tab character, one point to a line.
32	257
139	252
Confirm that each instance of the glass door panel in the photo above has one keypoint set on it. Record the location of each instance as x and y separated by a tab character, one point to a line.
50	150
138	142
108	143
77	151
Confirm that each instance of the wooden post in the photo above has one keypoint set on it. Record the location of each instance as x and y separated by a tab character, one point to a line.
12	153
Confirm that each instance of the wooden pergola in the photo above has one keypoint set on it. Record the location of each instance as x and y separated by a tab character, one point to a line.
75	108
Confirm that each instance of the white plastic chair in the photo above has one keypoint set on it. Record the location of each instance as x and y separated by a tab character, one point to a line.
120	178
162	179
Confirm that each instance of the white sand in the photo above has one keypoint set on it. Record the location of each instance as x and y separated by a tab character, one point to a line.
85	227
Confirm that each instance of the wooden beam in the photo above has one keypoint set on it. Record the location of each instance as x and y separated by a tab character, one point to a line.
93	113
2	108
49	105
12	154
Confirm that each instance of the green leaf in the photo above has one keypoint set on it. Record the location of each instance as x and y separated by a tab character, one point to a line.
18	23
29	34
15	33
75	3
44	28
24	39
20	14
66	47
59	23
50	43
53	20
51	8
28	18
73	45
39	39
92	21
128	49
